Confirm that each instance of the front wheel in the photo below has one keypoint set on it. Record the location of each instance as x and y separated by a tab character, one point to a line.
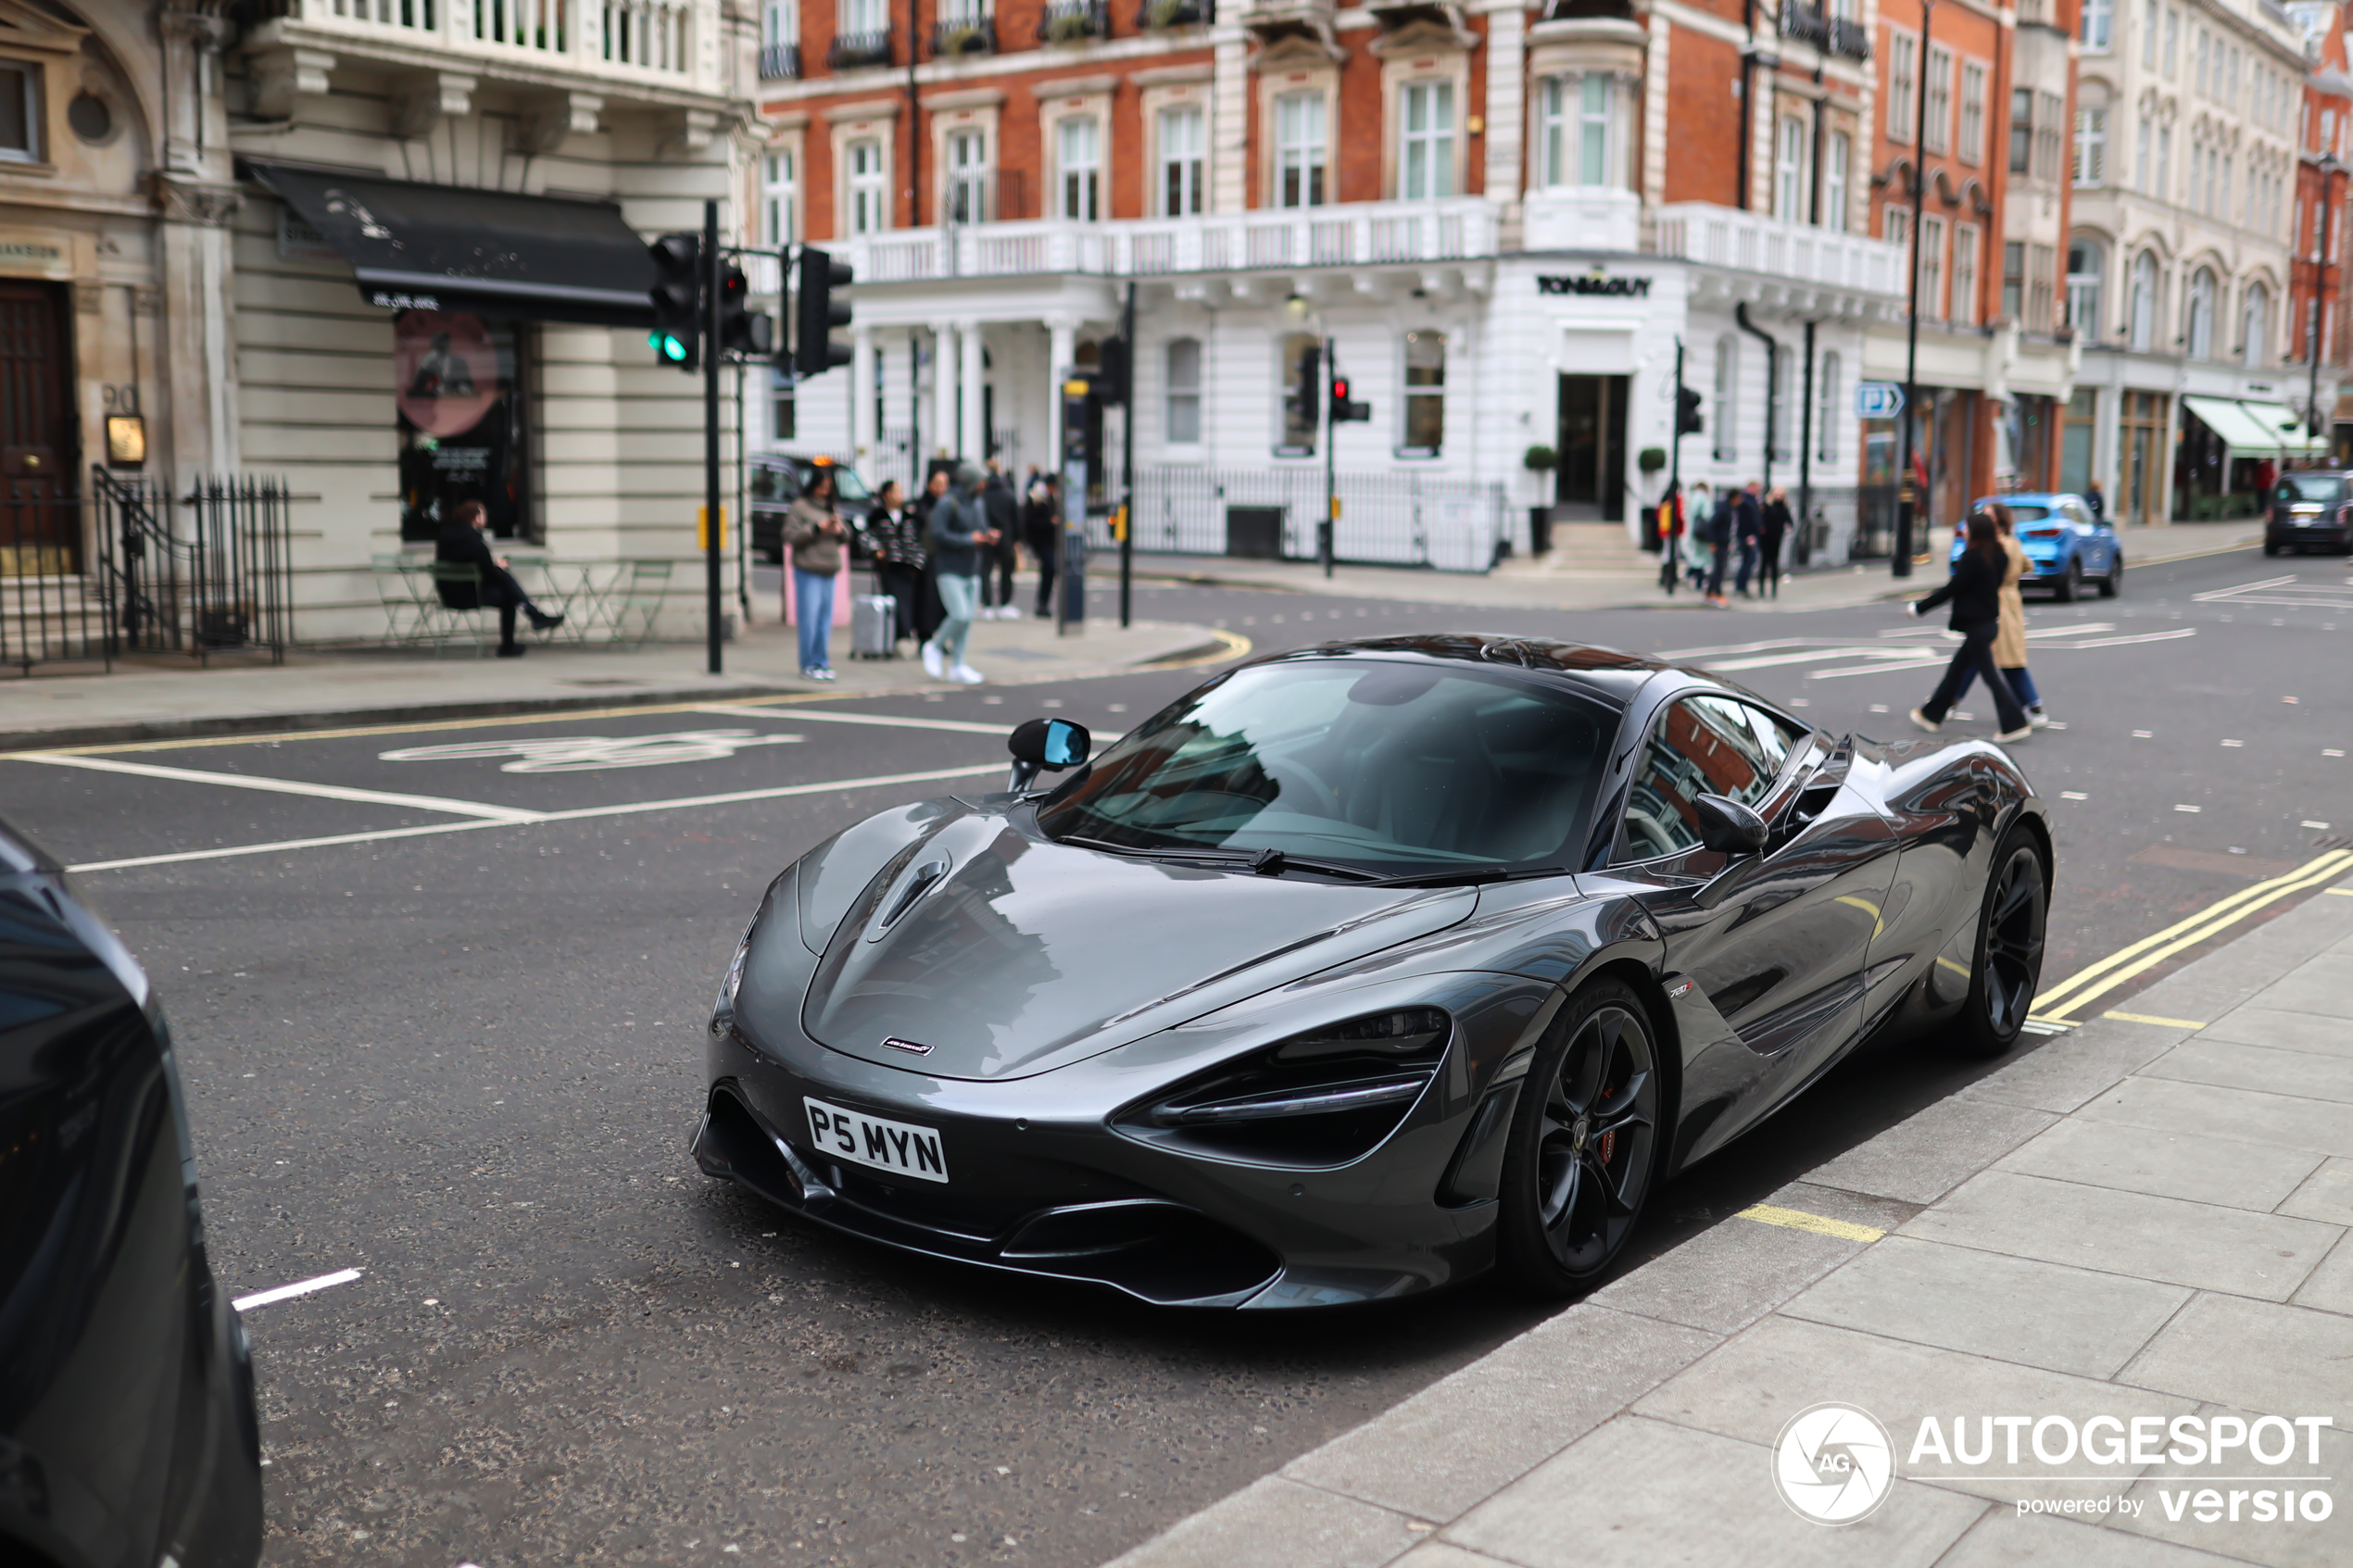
2010	947
1585	1143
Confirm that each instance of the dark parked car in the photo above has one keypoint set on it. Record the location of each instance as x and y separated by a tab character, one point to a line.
2309	509
776	483
1359	970
128	1437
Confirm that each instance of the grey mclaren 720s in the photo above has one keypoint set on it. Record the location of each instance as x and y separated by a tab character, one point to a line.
1361	970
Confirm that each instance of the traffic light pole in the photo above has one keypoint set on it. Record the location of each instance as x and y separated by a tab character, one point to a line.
1128	461
714	267
1324	542
1907	496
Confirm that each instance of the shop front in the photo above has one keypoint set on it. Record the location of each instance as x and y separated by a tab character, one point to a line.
2229	452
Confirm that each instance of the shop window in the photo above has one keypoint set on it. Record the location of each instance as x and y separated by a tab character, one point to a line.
1724	421
1078	158
1426	148
1182	143
1184	392
1300	419
460	390
1425	429
20	112
869	187
1299	149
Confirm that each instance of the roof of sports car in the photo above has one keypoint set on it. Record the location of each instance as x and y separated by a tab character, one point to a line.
1542	655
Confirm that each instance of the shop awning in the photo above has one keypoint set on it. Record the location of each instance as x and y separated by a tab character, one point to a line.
2295	437
2239	430
445	247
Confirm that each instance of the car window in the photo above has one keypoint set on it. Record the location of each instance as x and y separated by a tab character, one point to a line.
2325	488
848	486
2023	512
1702	746
773	484
2077	512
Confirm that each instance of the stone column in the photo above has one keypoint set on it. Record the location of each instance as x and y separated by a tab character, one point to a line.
943	389
971	429
863	437
1229	128
1507	105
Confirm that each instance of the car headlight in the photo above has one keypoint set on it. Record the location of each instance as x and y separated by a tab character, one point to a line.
1318	1099
722	1008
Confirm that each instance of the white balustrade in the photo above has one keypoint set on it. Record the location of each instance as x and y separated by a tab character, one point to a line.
1751	241
625	37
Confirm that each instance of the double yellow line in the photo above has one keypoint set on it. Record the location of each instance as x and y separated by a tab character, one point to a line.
2064	1002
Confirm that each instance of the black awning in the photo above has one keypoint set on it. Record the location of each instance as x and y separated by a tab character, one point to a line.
446	248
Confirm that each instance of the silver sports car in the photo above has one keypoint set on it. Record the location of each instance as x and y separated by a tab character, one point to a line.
1360	970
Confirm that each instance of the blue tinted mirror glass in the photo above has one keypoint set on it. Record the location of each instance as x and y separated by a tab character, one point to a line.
1066	743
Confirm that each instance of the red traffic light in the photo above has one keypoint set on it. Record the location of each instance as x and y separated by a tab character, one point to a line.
1339	389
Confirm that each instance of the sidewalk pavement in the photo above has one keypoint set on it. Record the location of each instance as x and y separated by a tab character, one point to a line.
1517	584
317	688
2145	1218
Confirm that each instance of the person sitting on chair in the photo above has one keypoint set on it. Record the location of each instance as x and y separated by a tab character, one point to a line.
461	543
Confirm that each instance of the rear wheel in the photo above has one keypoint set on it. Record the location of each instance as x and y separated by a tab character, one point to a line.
2113	583
2070	582
2271	547
1585	1143
2010	947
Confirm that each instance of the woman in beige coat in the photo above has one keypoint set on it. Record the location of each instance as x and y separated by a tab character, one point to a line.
2009	641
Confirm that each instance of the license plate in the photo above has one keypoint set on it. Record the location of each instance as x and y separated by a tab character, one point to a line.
897	1147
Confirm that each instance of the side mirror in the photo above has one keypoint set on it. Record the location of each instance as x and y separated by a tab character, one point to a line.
1049	745
1727	826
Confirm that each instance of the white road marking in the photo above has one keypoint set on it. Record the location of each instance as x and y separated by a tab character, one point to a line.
891	721
282	787
301	1287
2192	811
2073	795
778	793
2082	630
1672	654
1814	656
581	753
2122	642
1921	659
2243	588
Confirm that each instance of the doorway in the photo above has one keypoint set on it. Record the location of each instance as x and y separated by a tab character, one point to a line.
39	457
2142	451
1592	472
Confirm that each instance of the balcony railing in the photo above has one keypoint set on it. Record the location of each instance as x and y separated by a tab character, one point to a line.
1590	10
849	50
1361	233
637	35
650	34
1850	38
1074	21
972	32
779	62
1752	242
1154	15
1805	23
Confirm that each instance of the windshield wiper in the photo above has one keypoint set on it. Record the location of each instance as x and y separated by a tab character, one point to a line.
1467	878
1262	862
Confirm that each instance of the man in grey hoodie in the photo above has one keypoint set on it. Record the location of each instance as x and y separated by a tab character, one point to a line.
960	532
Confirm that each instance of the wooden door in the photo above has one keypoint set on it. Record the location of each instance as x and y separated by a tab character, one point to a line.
40	523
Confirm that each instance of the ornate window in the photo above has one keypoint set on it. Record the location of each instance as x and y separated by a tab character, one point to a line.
2084	260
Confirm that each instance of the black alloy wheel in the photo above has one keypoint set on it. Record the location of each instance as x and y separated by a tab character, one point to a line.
2070	582
2009	948
1585	1143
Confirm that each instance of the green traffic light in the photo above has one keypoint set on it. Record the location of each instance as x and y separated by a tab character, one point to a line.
668	346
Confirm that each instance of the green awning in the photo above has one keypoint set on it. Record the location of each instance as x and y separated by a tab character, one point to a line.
2296	438
2243	433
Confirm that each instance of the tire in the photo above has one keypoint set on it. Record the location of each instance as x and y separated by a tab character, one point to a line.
2113	583
2008	966
2070	582
2270	549
1587	1143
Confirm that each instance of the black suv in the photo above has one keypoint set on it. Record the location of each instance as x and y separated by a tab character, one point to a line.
2311	507
776	483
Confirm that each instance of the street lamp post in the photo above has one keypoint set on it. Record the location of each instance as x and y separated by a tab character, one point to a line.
1907	493
2329	167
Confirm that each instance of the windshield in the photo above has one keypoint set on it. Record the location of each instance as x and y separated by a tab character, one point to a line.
1397	768
2325	488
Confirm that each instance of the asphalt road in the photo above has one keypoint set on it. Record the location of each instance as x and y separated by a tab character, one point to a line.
462	1054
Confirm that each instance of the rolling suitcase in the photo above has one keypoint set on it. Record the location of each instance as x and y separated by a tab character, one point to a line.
874	624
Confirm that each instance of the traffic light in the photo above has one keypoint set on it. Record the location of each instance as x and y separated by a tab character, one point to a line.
742	331
1342	409
1307	397
814	350
677	296
1687	420
1112	371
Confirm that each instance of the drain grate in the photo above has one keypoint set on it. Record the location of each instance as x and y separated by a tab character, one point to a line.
2334	841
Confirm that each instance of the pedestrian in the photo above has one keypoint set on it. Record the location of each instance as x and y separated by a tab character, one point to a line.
1671	538
899	555
957	536
1697	532
2093	500
1749	527
927	611
997	561
1975	592
461	543
1042	532
814	532
1774	530
2009	644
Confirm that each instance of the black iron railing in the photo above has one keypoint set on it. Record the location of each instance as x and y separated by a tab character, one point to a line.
851	49
198	574
1806	23
1153	15
779	62
1850	38
970	33
47	609
1074	21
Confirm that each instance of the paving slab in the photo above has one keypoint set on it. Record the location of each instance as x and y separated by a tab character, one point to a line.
2077	1067
2195	1166
1651	1492
2241	1066
2200	1245
2330	1286
1727	1276
1749	1388
1444	1448
2303	1543
2246	1115
2322	985
2256	1025
2003	1539
2262	1355
1925	1155
1280	1523
2327	1194
1958	1300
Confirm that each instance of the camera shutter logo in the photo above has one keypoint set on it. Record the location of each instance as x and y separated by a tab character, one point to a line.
1834	1464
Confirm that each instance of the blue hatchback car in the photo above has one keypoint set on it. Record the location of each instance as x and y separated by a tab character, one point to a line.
2068	549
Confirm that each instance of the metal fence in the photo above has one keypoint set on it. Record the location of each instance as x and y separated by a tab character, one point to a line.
132	567
1388	518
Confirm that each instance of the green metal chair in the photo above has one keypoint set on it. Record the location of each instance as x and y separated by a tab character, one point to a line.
637	599
457	593
396	584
